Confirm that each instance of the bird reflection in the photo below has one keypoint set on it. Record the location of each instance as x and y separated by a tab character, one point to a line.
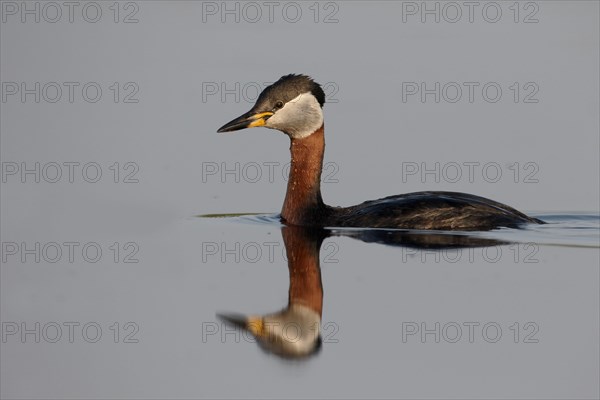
294	332
419	240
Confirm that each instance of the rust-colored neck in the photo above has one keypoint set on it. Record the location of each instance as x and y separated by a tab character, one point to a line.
302	248
303	203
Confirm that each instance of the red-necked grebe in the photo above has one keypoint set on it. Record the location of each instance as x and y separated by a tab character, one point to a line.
293	105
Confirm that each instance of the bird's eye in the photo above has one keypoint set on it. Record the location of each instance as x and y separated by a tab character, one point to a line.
279	105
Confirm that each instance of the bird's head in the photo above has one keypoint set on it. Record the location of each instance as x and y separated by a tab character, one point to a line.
292	105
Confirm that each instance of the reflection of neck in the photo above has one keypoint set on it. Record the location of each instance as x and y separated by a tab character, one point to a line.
302	249
303	200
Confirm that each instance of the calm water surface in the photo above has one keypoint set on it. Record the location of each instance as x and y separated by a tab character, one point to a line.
508	312
113	289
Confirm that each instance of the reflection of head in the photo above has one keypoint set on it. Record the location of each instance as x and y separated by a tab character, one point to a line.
292	333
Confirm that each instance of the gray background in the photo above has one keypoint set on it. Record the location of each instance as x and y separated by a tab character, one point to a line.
171	54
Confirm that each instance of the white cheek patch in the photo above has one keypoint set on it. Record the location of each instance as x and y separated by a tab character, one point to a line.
299	118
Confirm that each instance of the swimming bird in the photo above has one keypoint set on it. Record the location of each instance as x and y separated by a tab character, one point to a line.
294	106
